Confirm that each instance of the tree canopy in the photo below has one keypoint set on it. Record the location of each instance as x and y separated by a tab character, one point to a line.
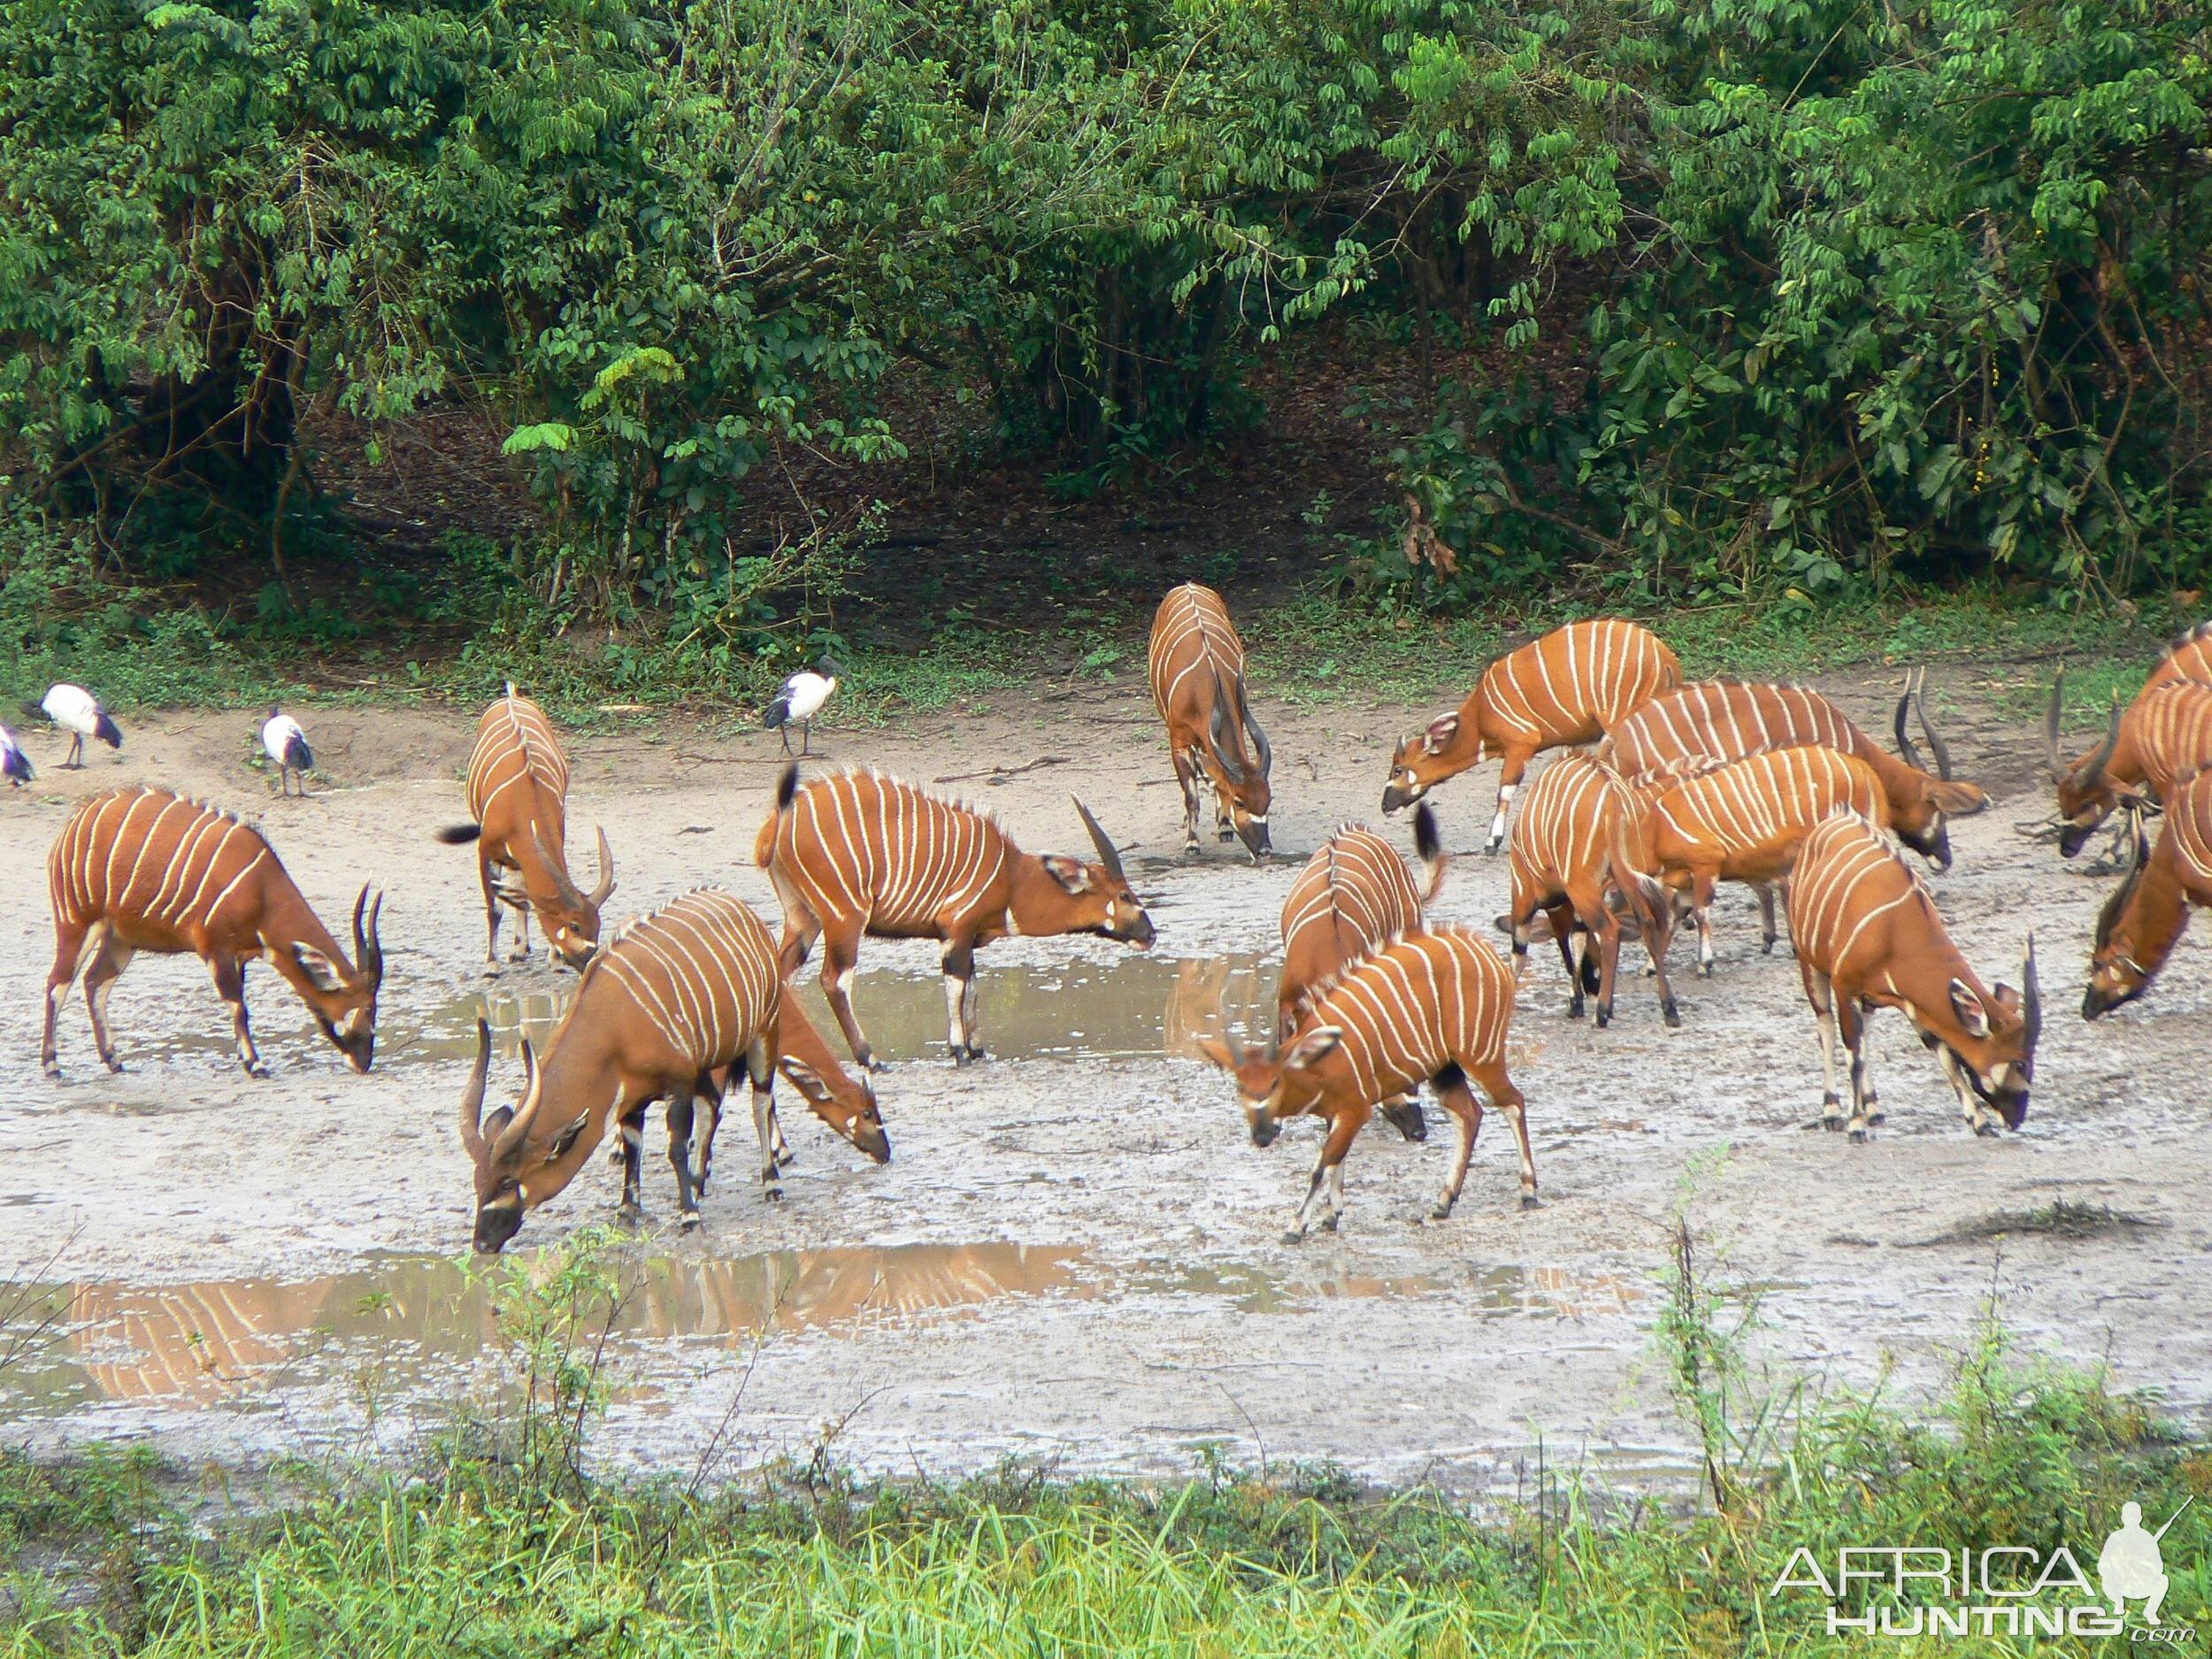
1855	287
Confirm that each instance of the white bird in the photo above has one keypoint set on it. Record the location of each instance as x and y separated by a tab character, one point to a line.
798	702
78	712
15	765
283	741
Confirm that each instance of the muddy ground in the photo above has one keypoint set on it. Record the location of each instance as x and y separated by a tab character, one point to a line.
1074	1255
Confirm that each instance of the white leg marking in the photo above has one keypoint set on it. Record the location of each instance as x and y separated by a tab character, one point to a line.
765	1129
955	1031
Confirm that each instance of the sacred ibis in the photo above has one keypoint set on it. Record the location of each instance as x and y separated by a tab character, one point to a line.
798	702
78	712
284	743
15	765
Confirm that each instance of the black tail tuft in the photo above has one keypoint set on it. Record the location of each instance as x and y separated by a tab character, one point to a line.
1426	842
1591	978
105	729
787	787
298	755
459	834
776	713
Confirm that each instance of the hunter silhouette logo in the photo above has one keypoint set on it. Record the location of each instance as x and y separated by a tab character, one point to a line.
2131	1566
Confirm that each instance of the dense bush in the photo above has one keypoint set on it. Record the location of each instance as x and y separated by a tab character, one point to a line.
1858	291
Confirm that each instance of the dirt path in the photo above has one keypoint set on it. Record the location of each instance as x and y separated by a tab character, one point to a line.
1075	1252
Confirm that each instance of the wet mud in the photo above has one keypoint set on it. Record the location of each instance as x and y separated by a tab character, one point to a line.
1074	1253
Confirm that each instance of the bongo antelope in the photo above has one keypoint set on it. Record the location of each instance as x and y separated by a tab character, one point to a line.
2143	919
1738	820
2164	735
517	797
2085	797
857	854
145	870
1432	1007
286	746
1196	663
676	996
78	712
1868	936
1561	856
797	704
1569	687
845	1103
1726	720
1354	894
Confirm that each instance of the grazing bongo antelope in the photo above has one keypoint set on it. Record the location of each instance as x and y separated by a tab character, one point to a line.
1738	820
1197	667
676	996
1868	936
1354	895
857	854
1561	856
2085	797
146	870
1432	1007
845	1103
1569	687
2164	735
2143	920
1726	720
518	794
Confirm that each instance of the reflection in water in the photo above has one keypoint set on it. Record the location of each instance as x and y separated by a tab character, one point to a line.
1132	1007
198	1344
450	1032
205	1344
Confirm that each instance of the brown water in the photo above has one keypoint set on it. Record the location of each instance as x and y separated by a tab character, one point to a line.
415	1318
1132	1007
201	1344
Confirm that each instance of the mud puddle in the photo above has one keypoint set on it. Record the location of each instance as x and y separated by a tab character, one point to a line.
1130	1006
1504	1291
204	1344
416	1323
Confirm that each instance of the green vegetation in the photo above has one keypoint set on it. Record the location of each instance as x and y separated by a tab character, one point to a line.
140	648
502	1543
1706	302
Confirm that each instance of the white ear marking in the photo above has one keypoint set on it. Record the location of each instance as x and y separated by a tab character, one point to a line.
1968	1007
